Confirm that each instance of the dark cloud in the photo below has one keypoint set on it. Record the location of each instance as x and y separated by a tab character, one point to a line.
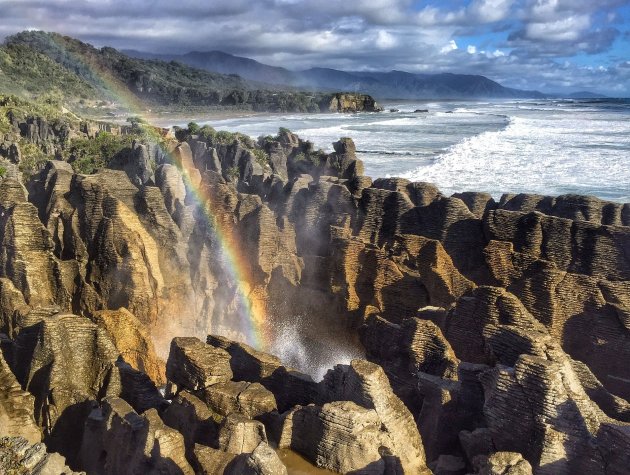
522	43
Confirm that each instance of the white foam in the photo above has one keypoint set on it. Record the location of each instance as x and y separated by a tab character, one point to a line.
549	147
536	155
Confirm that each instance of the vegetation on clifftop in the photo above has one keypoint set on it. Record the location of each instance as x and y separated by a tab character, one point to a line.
34	63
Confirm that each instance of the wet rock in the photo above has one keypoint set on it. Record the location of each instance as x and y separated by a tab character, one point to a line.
289	386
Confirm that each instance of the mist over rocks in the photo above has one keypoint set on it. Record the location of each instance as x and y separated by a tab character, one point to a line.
286	301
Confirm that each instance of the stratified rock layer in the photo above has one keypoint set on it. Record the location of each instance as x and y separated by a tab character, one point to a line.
496	331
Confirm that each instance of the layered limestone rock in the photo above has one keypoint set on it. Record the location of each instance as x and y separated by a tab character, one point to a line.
503	327
118	440
534	402
26	257
360	426
19	457
133	342
288	386
16	408
544	260
66	362
195	365
502	463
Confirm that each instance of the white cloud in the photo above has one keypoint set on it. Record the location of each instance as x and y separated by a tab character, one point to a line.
567	29
451	46
471	49
384	40
489	11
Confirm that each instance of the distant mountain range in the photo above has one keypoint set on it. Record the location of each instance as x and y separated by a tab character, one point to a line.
382	85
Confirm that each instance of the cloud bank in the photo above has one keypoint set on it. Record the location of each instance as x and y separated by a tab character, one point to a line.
549	45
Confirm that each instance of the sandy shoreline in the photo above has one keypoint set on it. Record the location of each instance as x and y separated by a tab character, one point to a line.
169	119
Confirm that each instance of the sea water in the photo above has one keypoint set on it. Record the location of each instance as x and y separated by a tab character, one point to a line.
548	147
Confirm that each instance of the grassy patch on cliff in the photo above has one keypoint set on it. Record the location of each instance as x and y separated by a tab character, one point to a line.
48	106
26	72
88	155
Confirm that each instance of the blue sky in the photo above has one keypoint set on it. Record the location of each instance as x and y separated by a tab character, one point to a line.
548	45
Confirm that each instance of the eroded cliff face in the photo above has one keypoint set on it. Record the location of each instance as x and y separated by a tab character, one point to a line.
488	337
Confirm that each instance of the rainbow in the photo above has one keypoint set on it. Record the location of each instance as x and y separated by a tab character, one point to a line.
251	306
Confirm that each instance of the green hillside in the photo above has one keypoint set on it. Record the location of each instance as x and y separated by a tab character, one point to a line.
36	62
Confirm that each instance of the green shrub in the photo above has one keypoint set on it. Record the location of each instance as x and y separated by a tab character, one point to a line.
88	165
33	158
261	157
283	131
193	128
3	171
207	132
89	155
136	122
265	139
223	137
5	125
316	159
233	173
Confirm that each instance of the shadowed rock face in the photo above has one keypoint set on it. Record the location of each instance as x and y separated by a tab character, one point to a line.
496	333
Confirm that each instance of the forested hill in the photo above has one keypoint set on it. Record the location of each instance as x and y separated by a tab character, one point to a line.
34	63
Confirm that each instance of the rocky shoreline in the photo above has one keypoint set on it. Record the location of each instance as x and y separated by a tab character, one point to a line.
494	335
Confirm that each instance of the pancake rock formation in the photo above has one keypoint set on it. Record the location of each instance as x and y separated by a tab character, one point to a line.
212	304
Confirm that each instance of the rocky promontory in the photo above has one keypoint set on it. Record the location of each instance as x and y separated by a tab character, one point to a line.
350	102
203	302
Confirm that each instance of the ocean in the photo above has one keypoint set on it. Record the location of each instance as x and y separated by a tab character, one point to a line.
549	147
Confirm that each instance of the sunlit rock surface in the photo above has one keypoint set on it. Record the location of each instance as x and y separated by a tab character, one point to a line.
287	300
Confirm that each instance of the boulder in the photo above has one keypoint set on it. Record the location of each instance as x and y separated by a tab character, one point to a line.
198	424
262	461
502	463
238	434
195	365
248	399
